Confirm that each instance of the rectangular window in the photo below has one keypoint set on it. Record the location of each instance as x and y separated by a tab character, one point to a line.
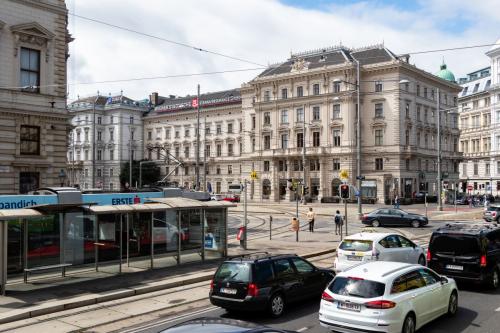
217	170
379	137
336	87
378	86
230	128
207	150
229	149
99	155
267	118
300	140
207	130
86	155
282	166
300	91
131	120
267	95
487	169
99	120
418	112
336	138
425	92
253	122
267	142
476	169
186	133
111	155
229	169
418	90
111	172
336	164
266	166
112	120
284	141
407	162
218	129
316	89
407	137
219	150
284	93
379	110
407	110
186	152
30	140
336	111
316	114
177	134
284	116
99	136
150	135
99	172
111	134
186	170
30	70
253	144
300	115
379	164
316	139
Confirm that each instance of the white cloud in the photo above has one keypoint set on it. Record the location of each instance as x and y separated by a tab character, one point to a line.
262	31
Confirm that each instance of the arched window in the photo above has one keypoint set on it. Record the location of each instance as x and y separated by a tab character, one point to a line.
335	187
266	189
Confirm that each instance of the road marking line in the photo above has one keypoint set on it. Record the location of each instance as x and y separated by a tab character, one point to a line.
497	310
302	329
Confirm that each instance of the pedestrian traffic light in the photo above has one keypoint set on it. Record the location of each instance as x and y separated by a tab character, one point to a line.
289	184
305	190
344	191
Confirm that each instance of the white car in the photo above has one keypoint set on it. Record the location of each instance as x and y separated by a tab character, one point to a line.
386	297
372	246
216	197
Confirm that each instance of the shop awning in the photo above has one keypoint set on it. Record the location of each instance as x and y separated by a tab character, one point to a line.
185	203
107	209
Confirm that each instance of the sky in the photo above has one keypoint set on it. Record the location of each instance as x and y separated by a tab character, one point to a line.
261	32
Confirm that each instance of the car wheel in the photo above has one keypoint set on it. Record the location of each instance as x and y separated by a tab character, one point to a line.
375	223
494	280
421	260
409	324
277	305
453	304
415	224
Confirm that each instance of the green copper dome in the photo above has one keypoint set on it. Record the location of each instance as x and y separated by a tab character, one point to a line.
445	74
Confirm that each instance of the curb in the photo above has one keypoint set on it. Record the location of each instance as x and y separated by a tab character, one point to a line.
81	301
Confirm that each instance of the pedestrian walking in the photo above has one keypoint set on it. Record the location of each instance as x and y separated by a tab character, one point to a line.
339	221
396	202
310	217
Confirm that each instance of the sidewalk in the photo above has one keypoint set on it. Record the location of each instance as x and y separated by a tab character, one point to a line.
39	298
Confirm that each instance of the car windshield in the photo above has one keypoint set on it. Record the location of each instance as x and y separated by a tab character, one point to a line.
348	286
356	245
493	208
234	272
457	245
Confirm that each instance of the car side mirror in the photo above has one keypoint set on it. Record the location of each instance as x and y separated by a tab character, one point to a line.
444	280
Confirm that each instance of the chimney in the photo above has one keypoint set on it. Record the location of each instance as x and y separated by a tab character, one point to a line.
153	98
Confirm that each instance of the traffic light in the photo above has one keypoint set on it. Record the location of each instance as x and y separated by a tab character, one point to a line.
344	191
305	190
290	184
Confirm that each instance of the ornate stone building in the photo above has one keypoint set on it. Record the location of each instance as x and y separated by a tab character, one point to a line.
33	117
310	99
170	130
106	132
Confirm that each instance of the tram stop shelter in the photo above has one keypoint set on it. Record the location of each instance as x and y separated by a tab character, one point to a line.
74	238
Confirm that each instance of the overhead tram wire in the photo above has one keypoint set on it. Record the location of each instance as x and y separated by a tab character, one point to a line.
165	39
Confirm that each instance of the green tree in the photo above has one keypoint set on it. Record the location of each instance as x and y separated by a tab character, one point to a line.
150	174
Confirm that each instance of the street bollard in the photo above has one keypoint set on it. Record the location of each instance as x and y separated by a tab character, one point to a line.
270	226
296	227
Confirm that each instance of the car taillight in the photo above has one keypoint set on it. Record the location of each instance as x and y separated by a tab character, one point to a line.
211	285
429	256
493	214
326	297
482	261
364	217
380	305
252	290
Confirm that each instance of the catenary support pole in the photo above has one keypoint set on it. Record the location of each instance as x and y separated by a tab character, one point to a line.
439	184
197	187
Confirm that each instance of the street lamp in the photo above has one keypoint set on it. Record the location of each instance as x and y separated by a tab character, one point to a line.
62	177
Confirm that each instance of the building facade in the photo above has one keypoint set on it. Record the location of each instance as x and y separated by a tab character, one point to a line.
170	137
33	117
106	133
479	109
310	101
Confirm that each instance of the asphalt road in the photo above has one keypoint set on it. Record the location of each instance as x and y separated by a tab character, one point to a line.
479	308
479	312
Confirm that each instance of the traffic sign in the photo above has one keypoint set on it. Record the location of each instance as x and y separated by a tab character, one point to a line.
253	174
469	187
344	174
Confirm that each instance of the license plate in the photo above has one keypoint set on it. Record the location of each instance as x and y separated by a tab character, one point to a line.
349	306
354	258
455	267
228	291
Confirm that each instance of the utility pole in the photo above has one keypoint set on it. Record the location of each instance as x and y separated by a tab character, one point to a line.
130	158
440	204
358	142
304	153
245	218
205	155
93	140
197	187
